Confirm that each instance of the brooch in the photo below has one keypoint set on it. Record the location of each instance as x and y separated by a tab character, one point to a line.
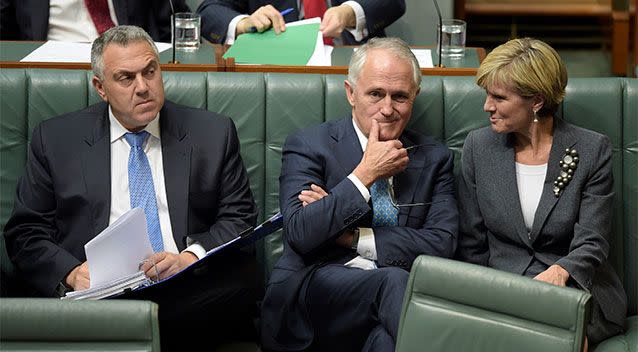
568	164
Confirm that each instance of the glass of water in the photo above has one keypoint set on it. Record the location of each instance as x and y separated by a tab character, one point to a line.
453	40
186	31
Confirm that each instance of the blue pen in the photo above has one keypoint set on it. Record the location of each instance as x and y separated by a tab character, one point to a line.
283	13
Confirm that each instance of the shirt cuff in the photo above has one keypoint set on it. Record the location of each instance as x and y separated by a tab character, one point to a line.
360	186
232	28
196	249
367	248
360	31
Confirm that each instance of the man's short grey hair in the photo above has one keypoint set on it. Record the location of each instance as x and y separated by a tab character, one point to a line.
120	35
394	45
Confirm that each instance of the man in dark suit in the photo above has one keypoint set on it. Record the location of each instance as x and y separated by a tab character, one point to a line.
39	19
351	21
349	242
82	174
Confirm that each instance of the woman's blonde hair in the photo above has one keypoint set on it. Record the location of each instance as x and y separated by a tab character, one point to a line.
528	66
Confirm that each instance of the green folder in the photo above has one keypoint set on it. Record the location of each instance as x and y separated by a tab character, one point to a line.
292	47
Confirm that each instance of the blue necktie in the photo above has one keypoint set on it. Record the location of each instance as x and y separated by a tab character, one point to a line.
140	184
383	212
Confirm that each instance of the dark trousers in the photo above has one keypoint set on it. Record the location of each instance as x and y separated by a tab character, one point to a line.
214	304
355	310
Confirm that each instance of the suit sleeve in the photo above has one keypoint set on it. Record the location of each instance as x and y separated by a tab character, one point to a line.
310	228
236	209
400	245
9	29
473	246
381	13
589	246
158	23
31	233
216	16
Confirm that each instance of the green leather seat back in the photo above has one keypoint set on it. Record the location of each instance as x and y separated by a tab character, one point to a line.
50	324
13	151
630	195
455	306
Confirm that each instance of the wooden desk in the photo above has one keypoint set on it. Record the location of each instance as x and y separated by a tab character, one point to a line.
209	58
202	60
465	66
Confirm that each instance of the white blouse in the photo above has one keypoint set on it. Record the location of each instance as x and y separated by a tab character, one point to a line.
530	179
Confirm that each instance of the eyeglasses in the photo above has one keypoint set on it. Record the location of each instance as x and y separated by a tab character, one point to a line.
393	198
397	205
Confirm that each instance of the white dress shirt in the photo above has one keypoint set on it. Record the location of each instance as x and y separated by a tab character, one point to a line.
359	31
120	195
530	179
70	21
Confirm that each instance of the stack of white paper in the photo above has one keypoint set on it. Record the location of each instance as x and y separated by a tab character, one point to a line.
132	282
114	257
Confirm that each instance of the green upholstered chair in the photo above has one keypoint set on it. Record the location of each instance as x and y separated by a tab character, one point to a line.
453	306
32	324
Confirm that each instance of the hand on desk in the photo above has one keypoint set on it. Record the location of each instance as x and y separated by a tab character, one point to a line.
262	19
336	19
79	278
167	264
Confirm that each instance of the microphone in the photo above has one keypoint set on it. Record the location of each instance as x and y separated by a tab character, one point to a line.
173	33
440	36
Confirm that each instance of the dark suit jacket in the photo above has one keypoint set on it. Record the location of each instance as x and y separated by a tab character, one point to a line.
325	155
571	230
29	19
63	199
217	14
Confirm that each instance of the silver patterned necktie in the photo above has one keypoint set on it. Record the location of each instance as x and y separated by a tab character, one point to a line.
383	212
141	188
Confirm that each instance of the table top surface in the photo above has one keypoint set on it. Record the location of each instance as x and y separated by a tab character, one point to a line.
208	58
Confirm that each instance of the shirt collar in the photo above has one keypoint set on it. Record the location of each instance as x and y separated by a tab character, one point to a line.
118	131
363	140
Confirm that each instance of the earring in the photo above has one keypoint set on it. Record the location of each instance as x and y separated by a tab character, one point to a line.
535	116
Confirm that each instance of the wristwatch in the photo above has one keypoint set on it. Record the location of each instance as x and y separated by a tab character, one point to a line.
62	289
355	239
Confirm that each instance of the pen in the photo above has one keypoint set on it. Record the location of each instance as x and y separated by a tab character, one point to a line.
283	13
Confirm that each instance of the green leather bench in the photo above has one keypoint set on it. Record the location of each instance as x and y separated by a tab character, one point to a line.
268	107
52	325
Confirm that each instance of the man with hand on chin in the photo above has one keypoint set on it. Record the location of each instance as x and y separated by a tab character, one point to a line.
361	198
353	22
136	150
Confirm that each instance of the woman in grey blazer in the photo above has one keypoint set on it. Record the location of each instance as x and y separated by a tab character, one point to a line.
536	192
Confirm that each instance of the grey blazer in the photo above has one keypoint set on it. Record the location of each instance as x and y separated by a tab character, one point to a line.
571	230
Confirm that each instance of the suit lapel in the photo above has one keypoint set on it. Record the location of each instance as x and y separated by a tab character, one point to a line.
405	183
504	168
176	154
562	140
346	147
96	166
